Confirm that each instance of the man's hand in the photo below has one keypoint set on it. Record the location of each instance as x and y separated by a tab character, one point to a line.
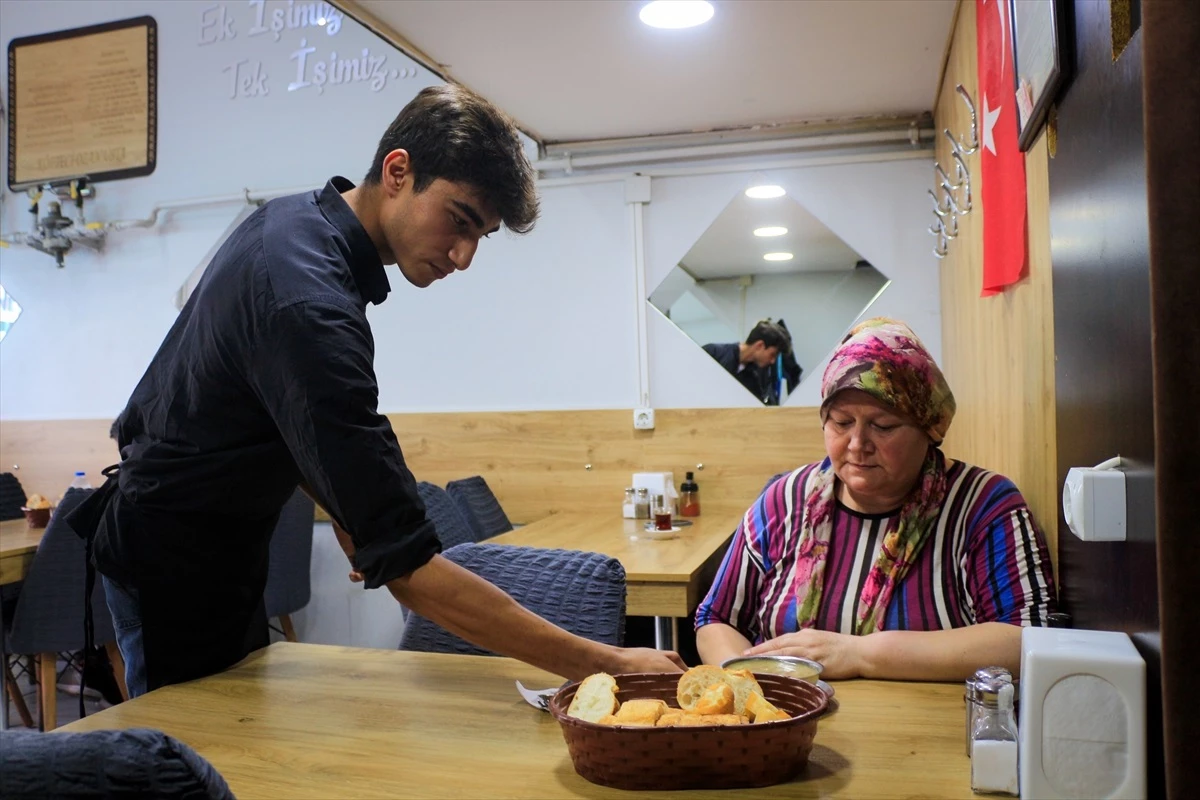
645	659
840	653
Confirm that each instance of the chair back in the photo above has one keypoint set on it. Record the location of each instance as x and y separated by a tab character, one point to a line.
12	497
452	529
138	762
49	612
479	507
581	592
289	571
774	478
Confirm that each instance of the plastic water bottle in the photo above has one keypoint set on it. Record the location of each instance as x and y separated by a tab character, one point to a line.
81	481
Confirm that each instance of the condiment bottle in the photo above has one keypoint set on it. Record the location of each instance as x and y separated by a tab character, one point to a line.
974	694
689	497
642	504
629	507
994	742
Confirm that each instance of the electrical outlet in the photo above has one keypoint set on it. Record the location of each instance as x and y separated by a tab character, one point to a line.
643	419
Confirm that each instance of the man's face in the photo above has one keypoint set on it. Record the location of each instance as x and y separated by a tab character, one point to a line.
433	233
764	356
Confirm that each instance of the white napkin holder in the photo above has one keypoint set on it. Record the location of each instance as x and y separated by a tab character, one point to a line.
1082	730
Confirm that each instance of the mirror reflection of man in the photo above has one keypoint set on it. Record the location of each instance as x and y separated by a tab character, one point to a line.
752	361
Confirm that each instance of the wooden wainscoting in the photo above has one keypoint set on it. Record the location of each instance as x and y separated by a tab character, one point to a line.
45	454
536	462
998	352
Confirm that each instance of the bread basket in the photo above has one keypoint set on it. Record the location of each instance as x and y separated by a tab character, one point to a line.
711	757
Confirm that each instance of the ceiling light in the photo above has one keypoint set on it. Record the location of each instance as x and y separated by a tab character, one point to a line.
765	192
676	13
778	257
770	230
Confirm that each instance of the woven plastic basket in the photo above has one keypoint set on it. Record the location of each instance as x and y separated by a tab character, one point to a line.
711	757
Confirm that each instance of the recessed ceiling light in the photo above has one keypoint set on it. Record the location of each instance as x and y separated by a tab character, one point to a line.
770	230
778	257
765	192
676	13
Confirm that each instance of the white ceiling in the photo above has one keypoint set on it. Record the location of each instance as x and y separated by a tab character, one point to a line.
729	247
589	69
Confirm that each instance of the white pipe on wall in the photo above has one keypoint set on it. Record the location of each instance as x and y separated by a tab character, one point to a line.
900	137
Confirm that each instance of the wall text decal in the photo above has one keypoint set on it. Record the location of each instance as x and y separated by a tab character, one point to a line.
249	77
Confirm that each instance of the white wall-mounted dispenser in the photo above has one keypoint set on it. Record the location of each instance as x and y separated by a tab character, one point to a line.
1094	502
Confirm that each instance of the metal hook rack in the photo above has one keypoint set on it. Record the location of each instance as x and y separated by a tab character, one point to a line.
952	199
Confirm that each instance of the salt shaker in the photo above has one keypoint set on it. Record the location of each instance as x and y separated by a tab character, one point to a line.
642	504
994	742
974	698
629	507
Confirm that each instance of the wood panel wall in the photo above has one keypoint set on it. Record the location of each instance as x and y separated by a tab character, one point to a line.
536	462
998	352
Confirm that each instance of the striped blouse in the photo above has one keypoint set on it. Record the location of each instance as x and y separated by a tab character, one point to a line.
984	561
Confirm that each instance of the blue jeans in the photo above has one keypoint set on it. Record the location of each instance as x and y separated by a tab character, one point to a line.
126	611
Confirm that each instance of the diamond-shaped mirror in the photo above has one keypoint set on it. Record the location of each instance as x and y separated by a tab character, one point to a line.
768	259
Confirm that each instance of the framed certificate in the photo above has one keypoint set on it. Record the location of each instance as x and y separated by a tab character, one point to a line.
83	102
1042	58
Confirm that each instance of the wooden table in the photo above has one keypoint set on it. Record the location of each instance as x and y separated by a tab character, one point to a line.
300	721
664	578
18	543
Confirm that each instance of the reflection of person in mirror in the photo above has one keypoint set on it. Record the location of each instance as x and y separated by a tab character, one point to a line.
266	382
886	559
752	362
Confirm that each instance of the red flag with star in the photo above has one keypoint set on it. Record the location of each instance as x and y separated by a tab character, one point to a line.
1001	163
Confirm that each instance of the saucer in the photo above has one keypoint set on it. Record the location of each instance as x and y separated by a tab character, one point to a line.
649	528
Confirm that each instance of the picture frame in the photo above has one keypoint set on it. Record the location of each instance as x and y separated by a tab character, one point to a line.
1043	61
83	102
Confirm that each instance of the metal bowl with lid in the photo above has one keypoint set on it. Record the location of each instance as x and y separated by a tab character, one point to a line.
793	666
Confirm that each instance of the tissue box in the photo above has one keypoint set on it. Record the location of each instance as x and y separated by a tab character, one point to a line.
1083	715
656	482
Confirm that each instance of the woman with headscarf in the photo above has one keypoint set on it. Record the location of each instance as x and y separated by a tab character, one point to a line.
940	561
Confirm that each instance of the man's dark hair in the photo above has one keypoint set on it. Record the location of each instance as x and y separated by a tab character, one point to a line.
454	134
771	335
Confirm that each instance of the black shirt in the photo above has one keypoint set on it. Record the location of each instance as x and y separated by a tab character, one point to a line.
265	380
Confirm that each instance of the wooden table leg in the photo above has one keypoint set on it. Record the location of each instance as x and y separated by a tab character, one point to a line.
118	667
48	690
14	692
289	633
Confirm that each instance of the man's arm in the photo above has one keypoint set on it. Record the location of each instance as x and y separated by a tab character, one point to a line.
475	610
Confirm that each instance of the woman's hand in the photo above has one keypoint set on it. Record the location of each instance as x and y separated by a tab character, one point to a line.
840	653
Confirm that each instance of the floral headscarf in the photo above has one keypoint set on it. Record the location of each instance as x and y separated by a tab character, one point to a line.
885	359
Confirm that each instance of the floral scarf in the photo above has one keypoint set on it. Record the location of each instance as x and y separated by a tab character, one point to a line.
885	359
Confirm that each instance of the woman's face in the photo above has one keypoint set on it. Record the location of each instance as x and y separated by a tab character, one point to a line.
876	451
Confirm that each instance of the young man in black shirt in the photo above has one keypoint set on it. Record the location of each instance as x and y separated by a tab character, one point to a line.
266	382
752	362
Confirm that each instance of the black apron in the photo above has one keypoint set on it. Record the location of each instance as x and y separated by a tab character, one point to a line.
194	622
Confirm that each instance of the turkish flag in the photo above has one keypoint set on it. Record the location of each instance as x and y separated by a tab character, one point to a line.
1001	163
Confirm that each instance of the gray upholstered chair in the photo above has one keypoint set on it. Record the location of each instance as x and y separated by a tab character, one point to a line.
582	592
452	529
479	507
48	616
774	478
289	573
12	497
103	764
